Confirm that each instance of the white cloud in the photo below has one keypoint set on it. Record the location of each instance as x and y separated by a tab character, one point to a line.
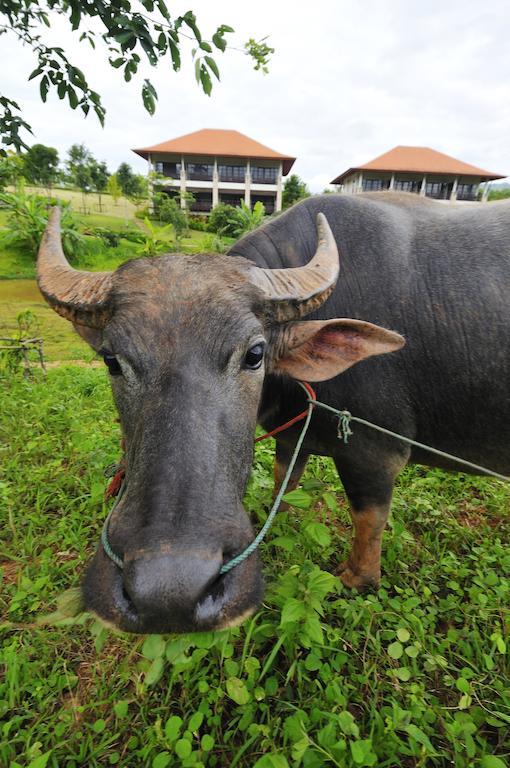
349	81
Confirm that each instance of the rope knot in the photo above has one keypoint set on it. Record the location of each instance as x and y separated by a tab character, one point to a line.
344	430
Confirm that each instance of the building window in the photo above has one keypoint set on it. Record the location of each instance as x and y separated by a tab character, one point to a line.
407	185
232	173
466	192
374	185
170	170
439	190
199	171
264	175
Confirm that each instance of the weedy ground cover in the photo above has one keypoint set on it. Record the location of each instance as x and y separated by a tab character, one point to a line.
416	674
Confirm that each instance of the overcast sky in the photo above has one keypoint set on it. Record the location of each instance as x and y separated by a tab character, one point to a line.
350	79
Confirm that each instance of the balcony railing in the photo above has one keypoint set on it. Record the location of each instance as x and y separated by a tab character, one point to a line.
232	178
193	176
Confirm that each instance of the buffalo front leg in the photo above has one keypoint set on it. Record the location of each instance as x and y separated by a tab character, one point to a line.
282	461
369	495
362	569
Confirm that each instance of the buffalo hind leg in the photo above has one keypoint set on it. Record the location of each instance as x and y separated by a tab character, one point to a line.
282	461
370	499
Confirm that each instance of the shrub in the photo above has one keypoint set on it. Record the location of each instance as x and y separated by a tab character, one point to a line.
155	239
110	237
248	219
235	222
143	213
169	210
212	243
224	220
28	215
199	223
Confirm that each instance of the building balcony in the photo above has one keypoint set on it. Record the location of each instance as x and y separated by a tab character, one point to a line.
194	176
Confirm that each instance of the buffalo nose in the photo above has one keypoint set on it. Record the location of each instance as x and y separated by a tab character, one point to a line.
169	586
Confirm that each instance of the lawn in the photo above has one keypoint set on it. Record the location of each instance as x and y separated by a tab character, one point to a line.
413	675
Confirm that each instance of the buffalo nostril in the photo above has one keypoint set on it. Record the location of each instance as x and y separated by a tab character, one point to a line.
170	584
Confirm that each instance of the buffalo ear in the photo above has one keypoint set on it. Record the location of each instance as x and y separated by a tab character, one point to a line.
317	350
93	336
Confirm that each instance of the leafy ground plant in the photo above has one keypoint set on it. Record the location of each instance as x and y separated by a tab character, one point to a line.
414	675
28	216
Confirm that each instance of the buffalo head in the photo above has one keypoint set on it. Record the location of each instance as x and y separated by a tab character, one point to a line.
188	341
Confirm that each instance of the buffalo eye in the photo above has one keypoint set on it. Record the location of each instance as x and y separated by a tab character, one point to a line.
254	357
111	363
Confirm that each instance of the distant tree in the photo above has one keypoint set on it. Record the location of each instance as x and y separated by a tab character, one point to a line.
294	190
133	185
78	159
11	170
41	165
99	176
114	188
499	194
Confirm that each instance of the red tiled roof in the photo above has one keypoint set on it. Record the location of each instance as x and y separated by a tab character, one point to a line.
215	142
419	160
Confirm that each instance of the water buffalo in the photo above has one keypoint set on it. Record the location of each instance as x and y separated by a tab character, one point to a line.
200	348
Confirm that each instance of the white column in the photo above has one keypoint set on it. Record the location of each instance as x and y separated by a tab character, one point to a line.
279	189
360	182
183	183
453	195
485	193
215	188
392	181
247	184
150	186
423	189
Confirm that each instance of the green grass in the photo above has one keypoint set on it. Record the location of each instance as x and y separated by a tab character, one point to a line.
414	675
61	342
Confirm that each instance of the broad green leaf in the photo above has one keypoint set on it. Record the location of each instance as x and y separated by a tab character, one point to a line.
395	650
153	647
207	742
41	761
195	721
318	532
418	735
173	727
298	498
491	761
403	634
162	760
121	708
237	690
183	748
292	611
155	671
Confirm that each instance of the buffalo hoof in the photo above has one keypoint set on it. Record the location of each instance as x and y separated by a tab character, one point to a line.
352	579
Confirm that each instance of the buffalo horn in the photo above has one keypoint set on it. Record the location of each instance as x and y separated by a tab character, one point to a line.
82	297
295	292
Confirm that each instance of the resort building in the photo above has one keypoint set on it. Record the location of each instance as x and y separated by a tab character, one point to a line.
421	170
217	166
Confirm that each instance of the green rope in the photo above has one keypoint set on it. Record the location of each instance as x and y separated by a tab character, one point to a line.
104	533
226	567
344	432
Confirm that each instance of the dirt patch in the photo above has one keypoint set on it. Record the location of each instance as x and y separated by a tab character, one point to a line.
81	363
10	570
